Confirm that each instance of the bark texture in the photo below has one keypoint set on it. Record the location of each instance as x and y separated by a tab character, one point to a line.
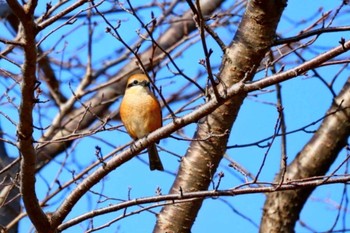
252	40
282	209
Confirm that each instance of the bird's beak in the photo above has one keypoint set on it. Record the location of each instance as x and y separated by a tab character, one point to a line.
145	83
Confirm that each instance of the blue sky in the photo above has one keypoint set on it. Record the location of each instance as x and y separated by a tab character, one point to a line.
305	100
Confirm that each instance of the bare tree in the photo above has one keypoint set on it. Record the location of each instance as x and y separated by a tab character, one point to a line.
64	66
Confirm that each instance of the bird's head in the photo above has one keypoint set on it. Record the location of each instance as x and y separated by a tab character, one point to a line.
137	80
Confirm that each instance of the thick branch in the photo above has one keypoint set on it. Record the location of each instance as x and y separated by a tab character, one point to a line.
254	37
25	126
282	209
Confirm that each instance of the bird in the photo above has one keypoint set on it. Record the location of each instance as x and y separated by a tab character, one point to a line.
141	114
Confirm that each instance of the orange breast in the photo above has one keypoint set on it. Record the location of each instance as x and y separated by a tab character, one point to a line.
140	113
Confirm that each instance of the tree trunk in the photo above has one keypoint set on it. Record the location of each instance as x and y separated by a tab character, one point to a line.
254	37
282	209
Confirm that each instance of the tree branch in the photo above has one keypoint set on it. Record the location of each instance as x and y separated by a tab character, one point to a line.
25	125
190	196
254	37
65	121
314	160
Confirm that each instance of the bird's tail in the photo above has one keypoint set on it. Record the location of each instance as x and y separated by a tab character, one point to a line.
154	160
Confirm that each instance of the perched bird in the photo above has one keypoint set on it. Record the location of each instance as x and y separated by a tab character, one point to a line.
141	114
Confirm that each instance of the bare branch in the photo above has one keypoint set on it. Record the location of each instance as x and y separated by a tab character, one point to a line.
171	199
314	160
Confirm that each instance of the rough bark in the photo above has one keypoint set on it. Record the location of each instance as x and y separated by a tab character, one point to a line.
25	125
253	38
282	209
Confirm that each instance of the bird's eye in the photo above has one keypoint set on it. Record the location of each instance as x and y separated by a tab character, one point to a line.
133	83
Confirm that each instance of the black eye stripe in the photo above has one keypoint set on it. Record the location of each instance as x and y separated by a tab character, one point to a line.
133	83
137	82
